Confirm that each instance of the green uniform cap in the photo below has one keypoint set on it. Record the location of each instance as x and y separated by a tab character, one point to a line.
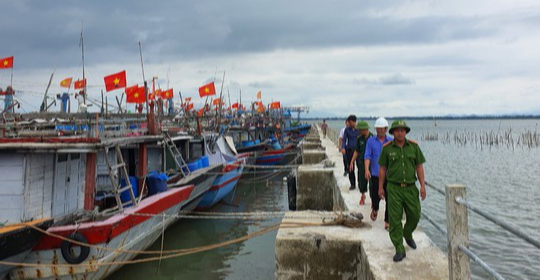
362	125
397	124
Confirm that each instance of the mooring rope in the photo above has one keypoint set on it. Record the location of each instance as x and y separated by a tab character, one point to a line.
345	220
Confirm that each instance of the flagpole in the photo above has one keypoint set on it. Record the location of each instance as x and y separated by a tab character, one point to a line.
11	82
144	79
220	95
83	72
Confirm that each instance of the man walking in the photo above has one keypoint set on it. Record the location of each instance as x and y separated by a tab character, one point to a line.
341	132
358	158
347	147
324	127
374	147
403	161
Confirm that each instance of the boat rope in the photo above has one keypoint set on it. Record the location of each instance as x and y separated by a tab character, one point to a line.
344	220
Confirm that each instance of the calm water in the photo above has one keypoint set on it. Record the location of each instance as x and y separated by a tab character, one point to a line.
502	180
252	259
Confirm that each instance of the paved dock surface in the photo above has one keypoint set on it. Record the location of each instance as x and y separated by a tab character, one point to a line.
352	253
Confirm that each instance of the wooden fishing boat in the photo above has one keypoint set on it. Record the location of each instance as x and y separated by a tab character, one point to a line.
17	240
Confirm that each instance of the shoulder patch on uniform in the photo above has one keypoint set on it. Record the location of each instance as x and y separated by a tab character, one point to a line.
387	143
412	141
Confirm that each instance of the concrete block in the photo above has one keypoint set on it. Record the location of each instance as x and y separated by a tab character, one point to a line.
323	252
315	188
310	146
313	156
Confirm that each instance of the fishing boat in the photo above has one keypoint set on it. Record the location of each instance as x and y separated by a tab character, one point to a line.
225	182
17	240
79	157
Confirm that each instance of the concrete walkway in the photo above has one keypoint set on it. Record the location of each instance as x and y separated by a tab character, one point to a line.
337	252
426	262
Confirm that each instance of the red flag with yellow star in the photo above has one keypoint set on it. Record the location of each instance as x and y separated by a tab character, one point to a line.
188	99
79	84
235	106
275	105
216	101
115	81
66	82
166	94
207	90
6	62
135	94
189	106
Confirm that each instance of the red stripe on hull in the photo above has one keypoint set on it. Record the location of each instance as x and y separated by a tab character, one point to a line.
216	187
103	231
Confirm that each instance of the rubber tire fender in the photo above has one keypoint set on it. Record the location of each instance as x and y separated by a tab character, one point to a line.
67	254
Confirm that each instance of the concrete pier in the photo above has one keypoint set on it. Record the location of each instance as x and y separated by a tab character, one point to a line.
337	252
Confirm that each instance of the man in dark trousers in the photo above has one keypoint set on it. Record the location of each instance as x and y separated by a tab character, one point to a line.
402	160
358	158
347	147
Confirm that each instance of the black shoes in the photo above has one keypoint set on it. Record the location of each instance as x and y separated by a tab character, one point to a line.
345	174
411	243
352	188
399	256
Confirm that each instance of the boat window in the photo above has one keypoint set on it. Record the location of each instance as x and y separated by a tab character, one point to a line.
75	156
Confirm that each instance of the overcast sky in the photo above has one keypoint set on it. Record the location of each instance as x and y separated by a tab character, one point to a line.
369	58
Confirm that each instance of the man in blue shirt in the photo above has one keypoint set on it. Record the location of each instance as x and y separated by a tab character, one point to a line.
348	144
371	158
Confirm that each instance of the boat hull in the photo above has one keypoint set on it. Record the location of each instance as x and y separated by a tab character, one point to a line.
17	241
223	184
125	232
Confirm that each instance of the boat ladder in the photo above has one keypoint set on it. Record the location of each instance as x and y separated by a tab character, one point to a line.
117	175
177	156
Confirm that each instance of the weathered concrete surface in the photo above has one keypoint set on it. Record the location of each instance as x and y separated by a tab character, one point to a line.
312	188
310	146
313	156
316	252
426	262
293	245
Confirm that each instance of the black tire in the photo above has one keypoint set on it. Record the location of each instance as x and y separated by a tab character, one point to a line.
67	253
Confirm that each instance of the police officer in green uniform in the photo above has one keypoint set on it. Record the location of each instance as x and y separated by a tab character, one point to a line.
359	151
401	162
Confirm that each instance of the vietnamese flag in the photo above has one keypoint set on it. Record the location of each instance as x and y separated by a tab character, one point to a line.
216	101
115	81
6	62
133	94
189	106
188	99
207	90
201	111
66	82
167	94
275	105
235	106
79	84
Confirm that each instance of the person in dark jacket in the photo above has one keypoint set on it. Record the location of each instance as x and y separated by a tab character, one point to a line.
347	147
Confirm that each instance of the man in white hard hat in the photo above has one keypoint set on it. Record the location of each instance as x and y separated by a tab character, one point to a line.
371	158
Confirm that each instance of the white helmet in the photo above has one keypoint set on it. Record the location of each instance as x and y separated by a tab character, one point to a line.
381	122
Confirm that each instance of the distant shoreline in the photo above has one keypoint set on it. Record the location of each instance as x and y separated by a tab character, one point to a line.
503	117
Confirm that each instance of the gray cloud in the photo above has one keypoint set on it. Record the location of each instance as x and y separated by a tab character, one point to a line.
392	79
191	29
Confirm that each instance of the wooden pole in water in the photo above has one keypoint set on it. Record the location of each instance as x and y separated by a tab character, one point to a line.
459	265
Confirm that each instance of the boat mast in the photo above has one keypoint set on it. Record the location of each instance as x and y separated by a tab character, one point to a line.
81	44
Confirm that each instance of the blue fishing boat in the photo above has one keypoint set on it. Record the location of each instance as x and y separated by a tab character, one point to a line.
222	150
223	184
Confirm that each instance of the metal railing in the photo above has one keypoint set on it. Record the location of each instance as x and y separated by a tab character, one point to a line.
457	232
